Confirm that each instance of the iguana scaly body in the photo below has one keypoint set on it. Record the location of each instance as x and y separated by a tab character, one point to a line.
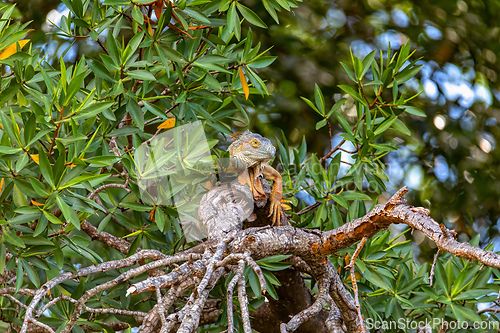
254	152
225	207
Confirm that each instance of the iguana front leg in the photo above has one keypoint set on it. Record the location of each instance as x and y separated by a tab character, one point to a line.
275	211
256	185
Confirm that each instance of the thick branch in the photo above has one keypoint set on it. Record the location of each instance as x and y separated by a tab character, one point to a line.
312	244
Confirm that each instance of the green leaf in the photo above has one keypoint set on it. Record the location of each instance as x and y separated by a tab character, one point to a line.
136	206
463	313
6	15
474	294
68	212
358	176
233	21
343	122
261	62
440	276
311	104
38	136
100	70
19	276
348	71
320	124
336	217
367	62
132	46
353	195
9	150
284	154
135	244
224	5
401	127
103	223
410	286
379	280
41	226
383	146
319	99
375	256
164	19
10	127
8	93
137	15
271	280
18	197
335	107
358	67
74	87
93	110
353	93
197	15
385	125
12	238
3	256
274	267
395	90
315	169
275	258
171	54
46	168
407	73
214	59
270	9
403	55
160	219
404	301
136	113
250	16
414	111
141	75
81	179
30	271
52	218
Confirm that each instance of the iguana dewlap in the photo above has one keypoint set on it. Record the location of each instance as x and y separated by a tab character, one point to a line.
253	152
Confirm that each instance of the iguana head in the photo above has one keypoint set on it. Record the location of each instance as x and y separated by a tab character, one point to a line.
250	149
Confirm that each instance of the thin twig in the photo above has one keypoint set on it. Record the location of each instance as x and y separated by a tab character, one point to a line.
167	111
230	290
330	134
58	126
243	299
321	160
42	325
249	260
431	276
338	147
352	268
15	300
103	187
161	310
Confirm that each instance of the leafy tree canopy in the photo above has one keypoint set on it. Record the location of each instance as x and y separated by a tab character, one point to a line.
342	81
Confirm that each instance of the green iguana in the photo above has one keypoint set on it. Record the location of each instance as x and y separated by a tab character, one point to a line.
225	207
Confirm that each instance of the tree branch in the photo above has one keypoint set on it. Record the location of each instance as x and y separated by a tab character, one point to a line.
309	247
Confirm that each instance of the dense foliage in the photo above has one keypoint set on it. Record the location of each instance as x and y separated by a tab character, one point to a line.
70	126
450	161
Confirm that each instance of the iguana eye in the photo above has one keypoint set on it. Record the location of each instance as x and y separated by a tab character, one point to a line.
255	143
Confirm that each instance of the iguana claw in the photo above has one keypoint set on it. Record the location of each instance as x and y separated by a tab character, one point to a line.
275	211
